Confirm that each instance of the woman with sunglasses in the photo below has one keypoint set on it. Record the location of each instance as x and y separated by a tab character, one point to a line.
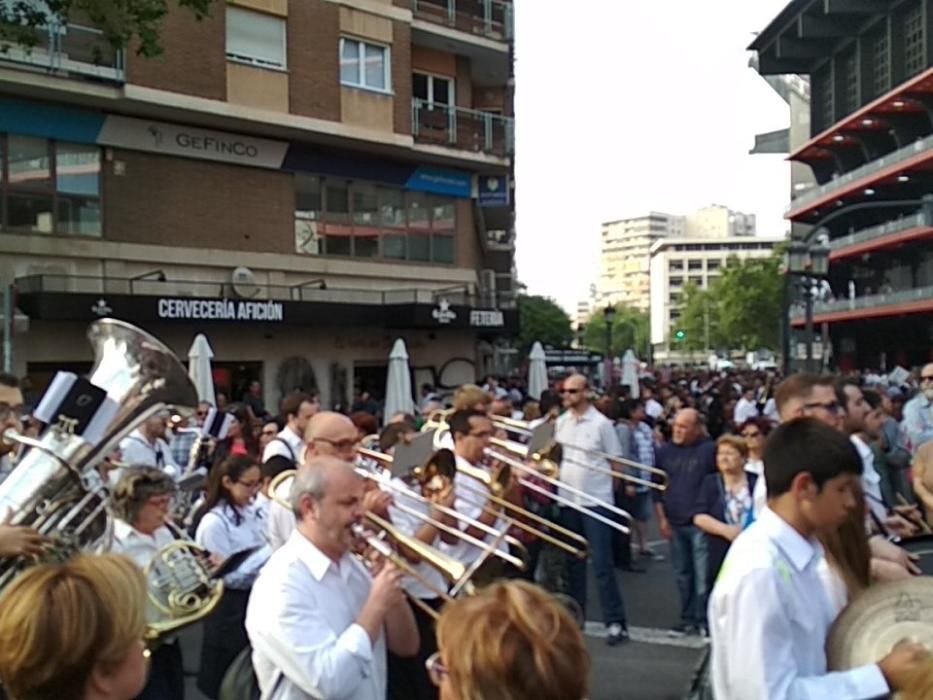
511	641
229	523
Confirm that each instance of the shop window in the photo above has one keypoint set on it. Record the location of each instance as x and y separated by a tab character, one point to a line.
364	65
337	217
255	38
49	187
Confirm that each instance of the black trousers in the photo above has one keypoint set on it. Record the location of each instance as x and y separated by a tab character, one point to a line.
408	677
166	674
224	638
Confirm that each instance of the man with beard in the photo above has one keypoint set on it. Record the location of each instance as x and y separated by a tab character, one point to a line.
918	412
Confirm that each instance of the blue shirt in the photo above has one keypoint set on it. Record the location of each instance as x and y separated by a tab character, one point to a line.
685	466
918	421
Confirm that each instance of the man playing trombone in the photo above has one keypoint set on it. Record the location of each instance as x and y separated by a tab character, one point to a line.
318	622
583	431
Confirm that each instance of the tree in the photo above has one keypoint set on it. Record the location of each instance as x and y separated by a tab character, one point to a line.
23	22
739	311
540	318
629	331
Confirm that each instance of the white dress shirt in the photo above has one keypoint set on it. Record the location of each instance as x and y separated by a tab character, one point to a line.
769	616
280	521
591	431
287	438
871	480
301	622
744	409
137	546
136	451
220	533
471	495
408	524
653	409
760	492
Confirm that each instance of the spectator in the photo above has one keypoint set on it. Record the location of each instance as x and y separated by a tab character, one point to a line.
253	399
918	412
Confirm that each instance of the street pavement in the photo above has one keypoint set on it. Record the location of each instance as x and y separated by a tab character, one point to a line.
652	666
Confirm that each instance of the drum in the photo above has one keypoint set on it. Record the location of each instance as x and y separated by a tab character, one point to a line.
920	546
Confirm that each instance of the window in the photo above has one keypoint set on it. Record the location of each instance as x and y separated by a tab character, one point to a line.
432	89
694	265
256	38
49	187
362	220
881	64
913	41
850	81
713	264
364	65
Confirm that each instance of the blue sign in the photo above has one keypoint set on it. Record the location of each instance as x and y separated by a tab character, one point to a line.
50	121
448	182
493	191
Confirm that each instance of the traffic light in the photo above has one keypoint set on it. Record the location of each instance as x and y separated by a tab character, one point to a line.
679	336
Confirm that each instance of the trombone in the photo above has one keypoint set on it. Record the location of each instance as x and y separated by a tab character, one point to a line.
544	456
496	485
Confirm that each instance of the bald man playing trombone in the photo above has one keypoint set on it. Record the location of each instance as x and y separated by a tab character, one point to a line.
582	430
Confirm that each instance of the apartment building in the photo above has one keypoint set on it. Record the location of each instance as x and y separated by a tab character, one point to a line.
626	248
870	150
678	262
302	180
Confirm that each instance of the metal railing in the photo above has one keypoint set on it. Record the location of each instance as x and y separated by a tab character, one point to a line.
870	301
492	19
898	156
460	295
465	129
70	50
880	231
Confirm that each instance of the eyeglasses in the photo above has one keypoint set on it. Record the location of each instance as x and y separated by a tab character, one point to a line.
202	414
339	445
831	407
571	391
6	410
437	671
752	435
927	378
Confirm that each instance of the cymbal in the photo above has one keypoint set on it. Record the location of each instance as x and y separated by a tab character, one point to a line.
885	614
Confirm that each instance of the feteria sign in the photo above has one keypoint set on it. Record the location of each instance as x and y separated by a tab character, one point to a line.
189	142
220	310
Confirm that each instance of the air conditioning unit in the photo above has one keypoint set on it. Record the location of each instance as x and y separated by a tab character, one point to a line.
243	283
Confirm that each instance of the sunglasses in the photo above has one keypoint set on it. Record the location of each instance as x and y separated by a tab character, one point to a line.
831	407
571	391
202	414
926	378
437	672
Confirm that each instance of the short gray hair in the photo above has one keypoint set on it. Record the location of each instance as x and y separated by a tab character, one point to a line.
313	478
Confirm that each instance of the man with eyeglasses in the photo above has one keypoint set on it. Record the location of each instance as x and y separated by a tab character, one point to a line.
327	434
582	430
918	412
14	541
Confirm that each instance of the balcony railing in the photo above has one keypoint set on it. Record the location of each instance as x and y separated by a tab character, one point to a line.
870	301
876	232
491	19
899	156
461	295
464	129
70	50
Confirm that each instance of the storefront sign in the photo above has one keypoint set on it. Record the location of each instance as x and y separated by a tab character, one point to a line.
443	313
493	191
487	319
220	310
571	357
188	142
448	182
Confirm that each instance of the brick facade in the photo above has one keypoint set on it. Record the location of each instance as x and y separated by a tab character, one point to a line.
190	203
193	61
313	60
401	76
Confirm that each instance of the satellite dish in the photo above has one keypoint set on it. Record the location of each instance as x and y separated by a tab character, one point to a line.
243	282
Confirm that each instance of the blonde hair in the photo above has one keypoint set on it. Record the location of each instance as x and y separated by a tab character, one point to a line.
467	396
60	621
735	442
513	641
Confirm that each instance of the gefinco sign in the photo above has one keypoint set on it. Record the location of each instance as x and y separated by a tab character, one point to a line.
189	142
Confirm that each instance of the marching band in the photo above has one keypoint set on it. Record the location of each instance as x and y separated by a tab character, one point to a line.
385	566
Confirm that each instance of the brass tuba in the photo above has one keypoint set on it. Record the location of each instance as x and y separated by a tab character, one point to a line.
55	488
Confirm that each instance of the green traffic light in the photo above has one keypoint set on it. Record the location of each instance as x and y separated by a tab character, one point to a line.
680	335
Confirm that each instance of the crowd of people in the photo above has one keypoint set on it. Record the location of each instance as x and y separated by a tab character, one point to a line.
750	477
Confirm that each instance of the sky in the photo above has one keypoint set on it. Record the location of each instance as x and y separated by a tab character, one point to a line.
623	107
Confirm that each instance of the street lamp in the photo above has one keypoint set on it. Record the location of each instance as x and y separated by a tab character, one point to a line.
609	314
808	264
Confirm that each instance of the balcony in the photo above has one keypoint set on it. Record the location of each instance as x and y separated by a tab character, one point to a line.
463	129
490	19
70	50
917	154
886	235
894	303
